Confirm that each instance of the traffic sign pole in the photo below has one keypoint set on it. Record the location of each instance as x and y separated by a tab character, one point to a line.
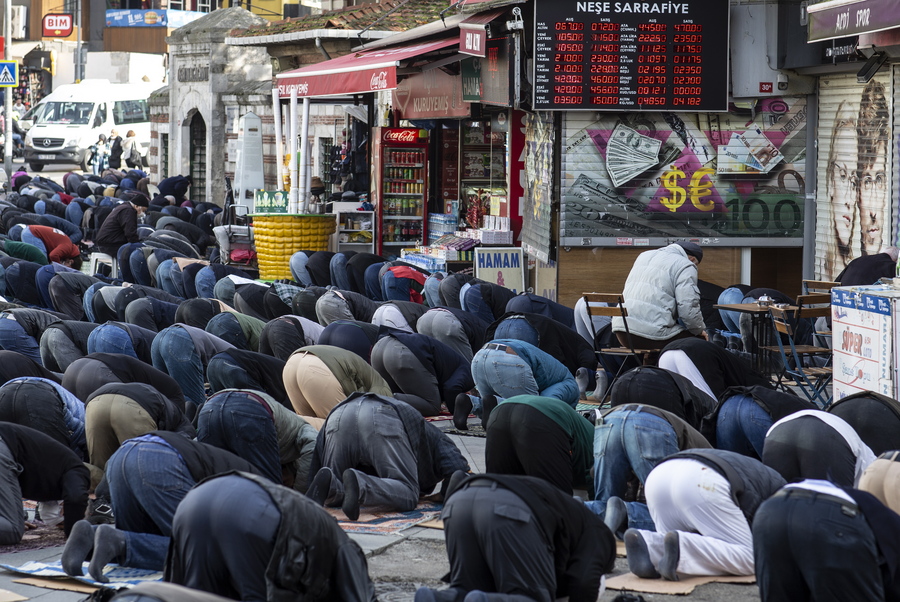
7	108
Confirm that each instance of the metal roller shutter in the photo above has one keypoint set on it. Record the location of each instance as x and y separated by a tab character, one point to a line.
853	196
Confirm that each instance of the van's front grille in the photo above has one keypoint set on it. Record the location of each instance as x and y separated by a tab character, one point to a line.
47	142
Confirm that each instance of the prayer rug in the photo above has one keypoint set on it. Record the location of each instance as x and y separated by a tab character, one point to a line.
386	523
119	576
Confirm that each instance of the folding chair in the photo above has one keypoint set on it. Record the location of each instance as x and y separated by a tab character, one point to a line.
816	305
814	380
613	305
818	286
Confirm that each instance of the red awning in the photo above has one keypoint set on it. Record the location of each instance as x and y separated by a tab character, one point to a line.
365	71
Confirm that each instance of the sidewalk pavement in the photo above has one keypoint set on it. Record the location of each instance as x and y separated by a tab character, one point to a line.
398	563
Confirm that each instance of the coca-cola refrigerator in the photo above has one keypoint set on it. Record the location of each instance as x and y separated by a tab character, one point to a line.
400	187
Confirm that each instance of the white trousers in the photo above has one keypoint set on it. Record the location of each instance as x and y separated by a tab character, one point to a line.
677	361
389	315
690	497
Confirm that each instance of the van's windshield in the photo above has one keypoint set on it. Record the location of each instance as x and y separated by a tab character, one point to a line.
77	113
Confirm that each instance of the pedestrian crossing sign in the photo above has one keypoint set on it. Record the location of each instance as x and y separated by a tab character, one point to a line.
9	74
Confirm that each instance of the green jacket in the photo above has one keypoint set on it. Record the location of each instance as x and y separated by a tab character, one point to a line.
352	371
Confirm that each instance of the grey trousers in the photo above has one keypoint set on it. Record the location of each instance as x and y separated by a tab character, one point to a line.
58	350
371	434
443	326
407	377
331	308
12	517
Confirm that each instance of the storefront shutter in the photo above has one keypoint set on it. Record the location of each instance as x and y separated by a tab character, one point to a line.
854	169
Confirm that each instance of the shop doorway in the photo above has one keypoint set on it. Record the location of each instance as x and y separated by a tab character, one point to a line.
198	157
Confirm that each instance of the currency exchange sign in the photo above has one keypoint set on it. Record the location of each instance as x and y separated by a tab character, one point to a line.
625	56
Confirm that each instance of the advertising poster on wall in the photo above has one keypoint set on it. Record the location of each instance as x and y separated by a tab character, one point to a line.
538	184
854	213
863	342
501	265
719	177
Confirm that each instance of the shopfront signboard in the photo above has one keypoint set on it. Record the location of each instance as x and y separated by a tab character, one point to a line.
839	18
488	80
501	265
630	56
430	95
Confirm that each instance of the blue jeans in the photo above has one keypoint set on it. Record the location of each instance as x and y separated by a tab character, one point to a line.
123	262
205	283
373	282
298	269
137	265
432	289
517	328
338	269
462	297
393	288
31	239
87	301
499	373
742	425
164	279
235	421
147	479
226	327
732	319
627	442
110	338
475	304
14	338
173	352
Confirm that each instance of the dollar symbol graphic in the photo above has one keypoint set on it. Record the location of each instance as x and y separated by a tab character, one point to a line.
679	196
701	189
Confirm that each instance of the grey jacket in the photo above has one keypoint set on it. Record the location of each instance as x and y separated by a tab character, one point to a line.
661	289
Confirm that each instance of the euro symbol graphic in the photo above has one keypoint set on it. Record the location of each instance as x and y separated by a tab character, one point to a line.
679	196
701	189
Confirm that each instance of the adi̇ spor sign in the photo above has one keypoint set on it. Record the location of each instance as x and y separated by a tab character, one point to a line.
9	74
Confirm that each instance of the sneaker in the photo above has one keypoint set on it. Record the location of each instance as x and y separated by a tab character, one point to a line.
100	512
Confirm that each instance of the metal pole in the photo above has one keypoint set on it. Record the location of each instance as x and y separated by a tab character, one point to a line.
294	196
279	144
79	74
7	105
304	157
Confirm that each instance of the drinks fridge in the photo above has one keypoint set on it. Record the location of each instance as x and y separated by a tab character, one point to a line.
400	185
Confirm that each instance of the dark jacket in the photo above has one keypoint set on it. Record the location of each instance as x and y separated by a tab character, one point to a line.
536	304
751	481
49	470
437	457
493	295
666	390
310	554
720	368
319	267
867	269
129	369
410	311
556	339
473	326
119	227
452	371
583	548
204	460
34	321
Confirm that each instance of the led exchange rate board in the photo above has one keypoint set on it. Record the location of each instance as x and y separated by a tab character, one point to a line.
628	56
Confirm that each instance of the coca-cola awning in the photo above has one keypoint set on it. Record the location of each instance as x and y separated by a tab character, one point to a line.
365	71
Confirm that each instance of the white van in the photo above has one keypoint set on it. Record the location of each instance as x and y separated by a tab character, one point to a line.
71	119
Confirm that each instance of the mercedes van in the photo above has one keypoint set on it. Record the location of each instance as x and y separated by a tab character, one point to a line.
70	119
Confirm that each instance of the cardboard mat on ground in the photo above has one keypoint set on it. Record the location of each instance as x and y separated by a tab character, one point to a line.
633	583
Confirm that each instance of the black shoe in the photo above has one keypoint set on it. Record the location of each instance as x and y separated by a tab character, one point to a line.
461	410
668	565
639	556
321	486
100	512
351	494
616	516
488	403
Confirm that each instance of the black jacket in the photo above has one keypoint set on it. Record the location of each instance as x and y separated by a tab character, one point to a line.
437	457
751	481
583	547
720	368
204	460
666	390
49	470
310	555
119	227
868	269
473	326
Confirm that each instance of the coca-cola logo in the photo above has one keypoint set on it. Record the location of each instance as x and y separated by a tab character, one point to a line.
378	81
401	136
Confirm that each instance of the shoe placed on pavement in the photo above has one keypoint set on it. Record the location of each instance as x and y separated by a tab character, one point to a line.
351	494
668	565
321	486
488	403
616	516
461	410
639	556
100	512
